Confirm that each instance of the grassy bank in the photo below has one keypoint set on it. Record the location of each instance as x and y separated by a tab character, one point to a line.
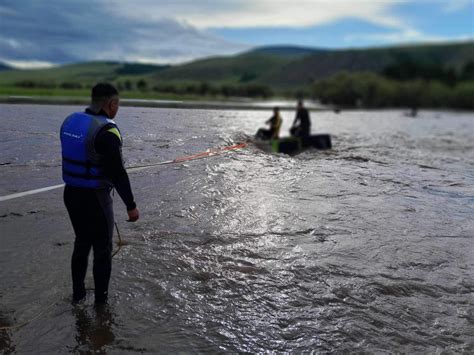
85	93
179	102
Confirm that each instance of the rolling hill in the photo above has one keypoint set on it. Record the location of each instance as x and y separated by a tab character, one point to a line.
280	67
283	67
324	64
83	73
4	67
286	51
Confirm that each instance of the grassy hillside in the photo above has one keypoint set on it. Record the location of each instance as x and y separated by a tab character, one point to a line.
287	67
321	65
286	51
83	73
4	67
281	69
248	67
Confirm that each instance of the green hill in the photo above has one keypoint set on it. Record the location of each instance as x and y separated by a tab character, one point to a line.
4	67
286	51
82	73
279	67
242	68
287	67
324	64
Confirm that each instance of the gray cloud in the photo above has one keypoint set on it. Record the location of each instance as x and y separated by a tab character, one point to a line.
70	31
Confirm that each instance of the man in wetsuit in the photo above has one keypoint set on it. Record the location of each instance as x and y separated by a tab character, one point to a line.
92	166
302	124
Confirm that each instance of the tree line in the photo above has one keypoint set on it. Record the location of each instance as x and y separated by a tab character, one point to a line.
403	84
200	89
371	90
197	89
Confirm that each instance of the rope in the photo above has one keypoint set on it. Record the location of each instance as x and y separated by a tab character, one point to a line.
120	242
14	327
210	153
133	169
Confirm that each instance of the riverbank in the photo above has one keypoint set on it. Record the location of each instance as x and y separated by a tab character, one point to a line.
182	104
244	105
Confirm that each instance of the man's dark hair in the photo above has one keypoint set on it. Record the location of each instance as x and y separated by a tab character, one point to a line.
102	92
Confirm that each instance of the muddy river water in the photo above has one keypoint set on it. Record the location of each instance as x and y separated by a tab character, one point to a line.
368	247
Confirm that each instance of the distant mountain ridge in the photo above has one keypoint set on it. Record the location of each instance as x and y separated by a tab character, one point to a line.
323	64
295	66
286	51
280	67
4	67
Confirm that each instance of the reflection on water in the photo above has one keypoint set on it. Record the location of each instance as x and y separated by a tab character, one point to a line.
94	328
364	248
6	343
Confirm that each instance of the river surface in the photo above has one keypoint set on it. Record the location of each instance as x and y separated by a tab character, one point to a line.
367	248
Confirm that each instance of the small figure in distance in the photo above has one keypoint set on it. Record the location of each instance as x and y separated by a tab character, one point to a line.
275	124
302	124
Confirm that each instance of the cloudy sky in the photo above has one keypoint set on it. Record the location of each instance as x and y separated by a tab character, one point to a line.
40	33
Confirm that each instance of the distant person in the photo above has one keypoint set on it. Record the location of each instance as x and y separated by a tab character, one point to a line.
414	111
302	124
275	124
92	166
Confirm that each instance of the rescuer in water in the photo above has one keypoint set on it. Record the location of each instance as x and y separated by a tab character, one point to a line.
92	166
302	124
275	124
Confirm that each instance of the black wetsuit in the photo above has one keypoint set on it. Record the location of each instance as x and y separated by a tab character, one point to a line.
304	127
92	217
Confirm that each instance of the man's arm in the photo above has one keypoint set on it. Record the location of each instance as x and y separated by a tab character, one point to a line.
109	145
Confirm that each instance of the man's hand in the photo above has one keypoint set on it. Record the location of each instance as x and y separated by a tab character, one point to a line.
133	215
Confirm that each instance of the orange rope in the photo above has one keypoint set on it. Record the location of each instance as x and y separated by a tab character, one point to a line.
120	243
211	152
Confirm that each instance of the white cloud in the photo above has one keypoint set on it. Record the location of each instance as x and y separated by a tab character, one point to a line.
10	42
171	31
63	32
405	33
27	64
259	13
404	36
458	5
164	42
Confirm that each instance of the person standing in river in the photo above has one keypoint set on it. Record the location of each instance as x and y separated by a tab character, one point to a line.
92	166
302	124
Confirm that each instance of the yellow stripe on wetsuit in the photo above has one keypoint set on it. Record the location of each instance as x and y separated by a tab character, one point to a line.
116	132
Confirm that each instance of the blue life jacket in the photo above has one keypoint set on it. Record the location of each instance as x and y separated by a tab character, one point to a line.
82	165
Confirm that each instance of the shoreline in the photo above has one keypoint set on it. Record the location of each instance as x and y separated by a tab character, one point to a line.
199	105
172	104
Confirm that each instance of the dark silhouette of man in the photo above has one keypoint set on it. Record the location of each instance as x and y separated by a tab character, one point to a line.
302	124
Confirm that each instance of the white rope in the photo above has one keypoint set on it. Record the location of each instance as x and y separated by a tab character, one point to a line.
131	169
31	192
